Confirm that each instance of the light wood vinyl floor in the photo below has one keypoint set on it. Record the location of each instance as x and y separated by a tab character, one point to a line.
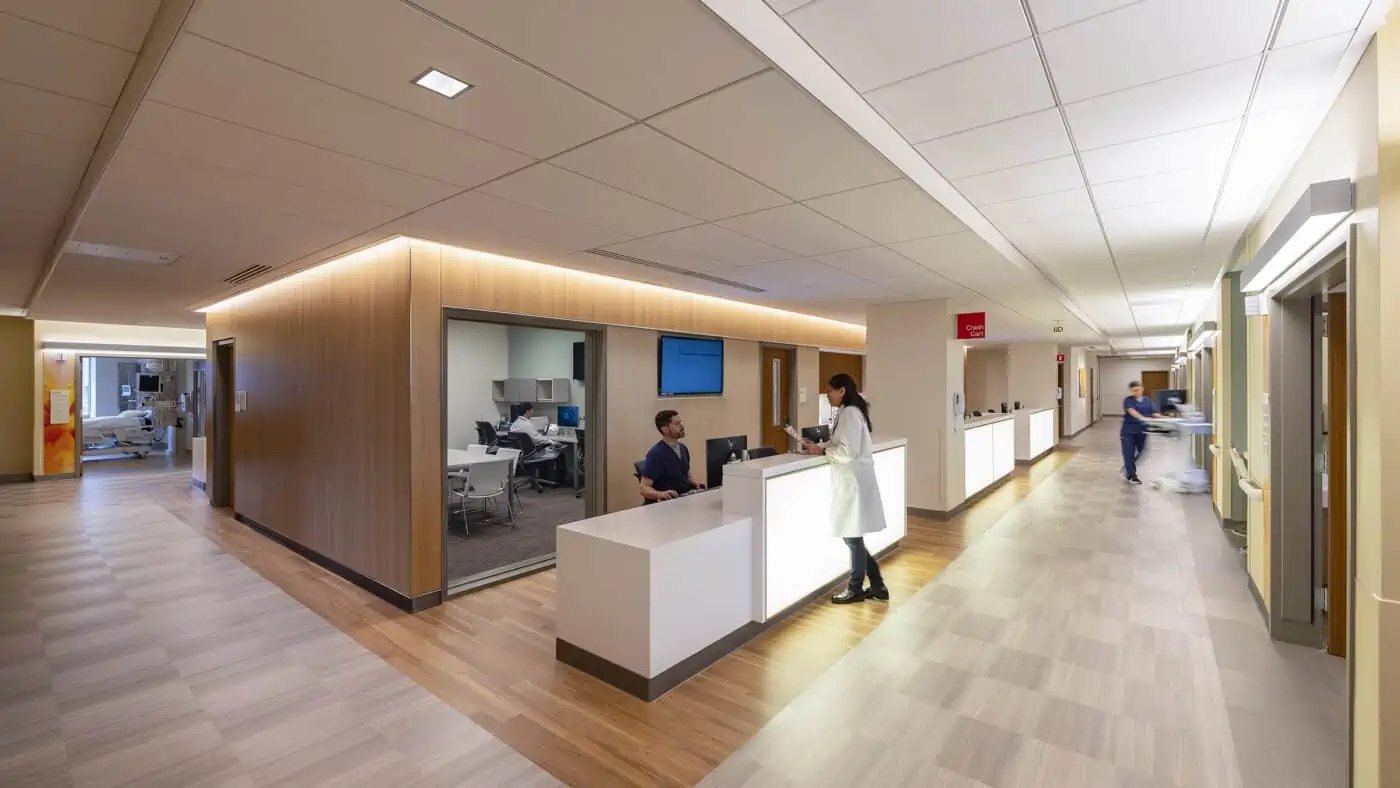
490	654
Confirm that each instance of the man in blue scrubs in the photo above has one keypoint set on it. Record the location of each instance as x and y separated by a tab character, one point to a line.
1137	410
666	470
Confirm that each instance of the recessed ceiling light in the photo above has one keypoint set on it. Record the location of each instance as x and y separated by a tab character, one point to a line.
441	84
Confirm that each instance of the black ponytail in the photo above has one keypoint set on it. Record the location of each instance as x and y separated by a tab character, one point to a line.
852	397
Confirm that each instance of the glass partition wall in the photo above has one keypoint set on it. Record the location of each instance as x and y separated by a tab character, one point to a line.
517	461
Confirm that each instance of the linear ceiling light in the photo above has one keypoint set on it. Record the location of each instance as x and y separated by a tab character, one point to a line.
1205	333
1317	213
441	83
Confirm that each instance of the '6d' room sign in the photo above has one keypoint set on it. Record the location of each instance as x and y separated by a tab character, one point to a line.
972	325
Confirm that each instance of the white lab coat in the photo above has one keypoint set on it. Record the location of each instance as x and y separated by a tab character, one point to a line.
856	508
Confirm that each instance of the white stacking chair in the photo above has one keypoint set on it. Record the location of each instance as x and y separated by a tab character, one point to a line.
489	480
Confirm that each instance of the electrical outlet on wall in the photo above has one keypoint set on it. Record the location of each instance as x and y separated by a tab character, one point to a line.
802	395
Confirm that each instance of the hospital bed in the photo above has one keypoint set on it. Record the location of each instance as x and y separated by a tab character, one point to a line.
129	432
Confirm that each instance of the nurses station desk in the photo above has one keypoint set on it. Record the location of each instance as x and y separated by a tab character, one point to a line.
650	596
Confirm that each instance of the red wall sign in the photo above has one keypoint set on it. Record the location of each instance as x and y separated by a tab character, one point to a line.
1060	357
972	325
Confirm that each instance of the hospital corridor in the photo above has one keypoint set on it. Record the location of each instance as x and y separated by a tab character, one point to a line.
676	393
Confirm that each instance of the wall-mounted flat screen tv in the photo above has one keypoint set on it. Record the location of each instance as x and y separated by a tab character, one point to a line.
689	366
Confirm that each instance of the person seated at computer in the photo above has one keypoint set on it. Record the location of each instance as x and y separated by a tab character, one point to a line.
524	426
666	470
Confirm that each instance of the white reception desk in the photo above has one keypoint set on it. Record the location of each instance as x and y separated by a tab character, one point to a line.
648	597
989	451
1035	433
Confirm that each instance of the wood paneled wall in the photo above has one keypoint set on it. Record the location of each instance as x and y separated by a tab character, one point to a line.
322	452
17	372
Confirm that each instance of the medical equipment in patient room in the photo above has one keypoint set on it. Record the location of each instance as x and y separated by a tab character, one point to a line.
129	432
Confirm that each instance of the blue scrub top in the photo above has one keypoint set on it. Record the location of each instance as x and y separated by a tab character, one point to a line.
1144	406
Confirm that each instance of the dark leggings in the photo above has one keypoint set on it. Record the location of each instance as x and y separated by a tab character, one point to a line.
862	564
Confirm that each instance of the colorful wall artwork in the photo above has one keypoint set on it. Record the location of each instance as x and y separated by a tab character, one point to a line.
60	428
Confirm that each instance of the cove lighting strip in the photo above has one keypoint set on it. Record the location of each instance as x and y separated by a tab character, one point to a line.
1321	210
326	266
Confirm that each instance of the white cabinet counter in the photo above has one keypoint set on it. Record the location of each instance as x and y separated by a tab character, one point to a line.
648	597
989	451
1035	433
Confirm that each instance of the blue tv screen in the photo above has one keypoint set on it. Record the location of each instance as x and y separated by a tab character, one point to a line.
686	366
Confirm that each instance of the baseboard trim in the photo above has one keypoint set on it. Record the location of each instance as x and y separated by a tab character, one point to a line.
197	484
938	514
650	688
56	477
1258	598
1037	458
16	478
401	601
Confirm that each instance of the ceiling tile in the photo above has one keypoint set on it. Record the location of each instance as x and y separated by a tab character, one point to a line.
210	79
1306	20
1199	185
1298	76
40	112
1266	145
872	262
1046	206
1207	147
1152	40
673	255
876	42
549	188
184	135
1027	180
1050	14
784	6
798	229
889	212
1186	102
510	103
712	242
119	24
48	59
35	189
1156	223
648	164
950	252
641	56
985	89
784	273
1029	138
776	133
66	159
920	287
469	218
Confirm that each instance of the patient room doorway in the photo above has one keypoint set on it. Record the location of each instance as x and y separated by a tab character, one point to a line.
138	412
521	398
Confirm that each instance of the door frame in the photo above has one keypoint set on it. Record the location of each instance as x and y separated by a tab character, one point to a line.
223	391
595	457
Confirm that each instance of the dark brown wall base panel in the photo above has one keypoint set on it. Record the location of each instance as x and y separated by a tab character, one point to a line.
936	514
401	601
16	478
1037	458
649	689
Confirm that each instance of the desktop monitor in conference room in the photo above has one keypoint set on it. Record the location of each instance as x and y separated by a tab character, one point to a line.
718	452
568	415
689	366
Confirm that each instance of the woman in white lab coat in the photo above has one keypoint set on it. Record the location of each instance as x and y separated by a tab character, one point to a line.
856	508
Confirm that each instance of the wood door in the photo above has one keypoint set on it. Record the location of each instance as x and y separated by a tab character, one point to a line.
220	454
835	363
1060	402
776	396
1338	600
1154	381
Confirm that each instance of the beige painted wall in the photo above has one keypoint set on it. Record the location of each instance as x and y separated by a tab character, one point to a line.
985	372
1360	140
17	432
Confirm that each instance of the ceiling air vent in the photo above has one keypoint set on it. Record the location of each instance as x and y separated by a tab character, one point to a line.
672	269
247	274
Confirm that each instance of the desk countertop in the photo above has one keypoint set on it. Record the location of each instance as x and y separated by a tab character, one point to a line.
982	421
660	524
1030	411
781	464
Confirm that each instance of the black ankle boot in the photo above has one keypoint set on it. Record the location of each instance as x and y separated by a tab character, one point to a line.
848	597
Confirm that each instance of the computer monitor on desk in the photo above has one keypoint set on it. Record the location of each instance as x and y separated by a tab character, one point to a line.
568	415
818	434
718	453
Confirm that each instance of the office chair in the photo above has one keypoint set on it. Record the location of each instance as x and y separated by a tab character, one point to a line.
532	457
578	462
486	433
761	452
637	471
